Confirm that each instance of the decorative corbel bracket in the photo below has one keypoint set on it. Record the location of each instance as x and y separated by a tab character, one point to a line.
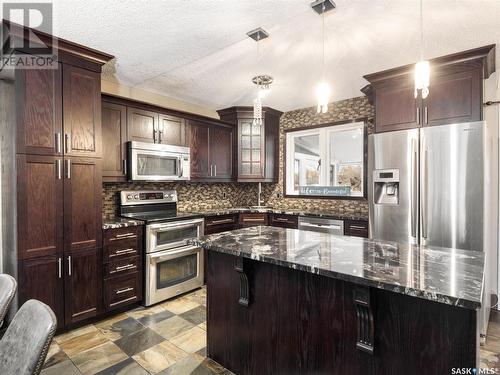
244	287
366	329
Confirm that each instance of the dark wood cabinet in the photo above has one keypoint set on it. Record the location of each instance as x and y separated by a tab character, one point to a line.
257	146
81	111
83	283
39	111
171	130
114	138
455	92
211	151
356	228
122	267
41	278
454	97
252	219
221	223
396	107
197	134
284	220
221	151
82	204
142	125
39	206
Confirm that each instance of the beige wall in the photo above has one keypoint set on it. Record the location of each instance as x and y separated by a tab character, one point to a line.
114	88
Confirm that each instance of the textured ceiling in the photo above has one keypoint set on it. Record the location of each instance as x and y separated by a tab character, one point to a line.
198	51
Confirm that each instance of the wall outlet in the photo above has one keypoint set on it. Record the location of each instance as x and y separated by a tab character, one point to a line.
224	196
279	195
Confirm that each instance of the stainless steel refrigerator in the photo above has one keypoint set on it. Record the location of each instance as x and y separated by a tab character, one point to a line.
432	186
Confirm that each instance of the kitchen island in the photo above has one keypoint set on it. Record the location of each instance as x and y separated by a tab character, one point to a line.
287	301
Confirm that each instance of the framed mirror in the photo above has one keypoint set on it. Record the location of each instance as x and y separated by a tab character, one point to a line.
326	161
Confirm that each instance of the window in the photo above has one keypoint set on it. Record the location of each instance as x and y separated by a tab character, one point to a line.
326	161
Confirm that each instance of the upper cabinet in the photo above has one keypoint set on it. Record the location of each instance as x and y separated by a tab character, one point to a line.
81	111
142	125
39	111
455	92
257	146
211	147
211	141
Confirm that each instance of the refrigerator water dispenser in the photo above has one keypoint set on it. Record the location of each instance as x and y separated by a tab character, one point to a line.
386	186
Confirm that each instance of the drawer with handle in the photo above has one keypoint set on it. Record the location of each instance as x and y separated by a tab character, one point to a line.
220	223
121	234
123	290
122	266
251	219
284	220
356	228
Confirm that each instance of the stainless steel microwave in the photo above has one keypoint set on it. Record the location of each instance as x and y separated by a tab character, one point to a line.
157	162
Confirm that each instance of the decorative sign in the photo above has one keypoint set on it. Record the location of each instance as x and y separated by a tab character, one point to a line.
343	191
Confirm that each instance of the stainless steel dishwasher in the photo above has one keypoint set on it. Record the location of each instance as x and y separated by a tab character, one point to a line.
317	224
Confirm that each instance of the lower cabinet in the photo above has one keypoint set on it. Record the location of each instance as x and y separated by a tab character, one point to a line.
83	285
221	223
253	219
42	279
122	267
284	221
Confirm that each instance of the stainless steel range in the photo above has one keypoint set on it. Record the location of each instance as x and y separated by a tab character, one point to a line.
172	265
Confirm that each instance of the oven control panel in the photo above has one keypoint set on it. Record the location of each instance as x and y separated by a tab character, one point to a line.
129	197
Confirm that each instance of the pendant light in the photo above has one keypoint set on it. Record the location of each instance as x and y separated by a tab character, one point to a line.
262	80
422	68
323	88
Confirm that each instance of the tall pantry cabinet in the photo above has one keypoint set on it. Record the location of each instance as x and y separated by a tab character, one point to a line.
57	184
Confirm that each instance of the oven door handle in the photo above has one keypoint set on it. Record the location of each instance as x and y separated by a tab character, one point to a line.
164	227
162	256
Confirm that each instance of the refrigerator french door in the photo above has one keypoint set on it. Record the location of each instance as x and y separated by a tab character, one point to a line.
433	186
426	186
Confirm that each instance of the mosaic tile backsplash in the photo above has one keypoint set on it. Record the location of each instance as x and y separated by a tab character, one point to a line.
208	196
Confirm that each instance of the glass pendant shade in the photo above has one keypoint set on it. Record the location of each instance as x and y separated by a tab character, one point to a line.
323	97
257	111
422	77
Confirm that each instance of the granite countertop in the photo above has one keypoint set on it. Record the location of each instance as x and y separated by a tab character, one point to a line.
325	214
449	276
120	222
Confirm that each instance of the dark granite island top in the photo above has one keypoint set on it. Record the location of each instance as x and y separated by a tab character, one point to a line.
288	301
448	276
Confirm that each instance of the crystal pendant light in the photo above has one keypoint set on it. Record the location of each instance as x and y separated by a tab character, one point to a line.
323	88
422	68
262	81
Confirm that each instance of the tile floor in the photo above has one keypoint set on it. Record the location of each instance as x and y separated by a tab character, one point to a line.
168	338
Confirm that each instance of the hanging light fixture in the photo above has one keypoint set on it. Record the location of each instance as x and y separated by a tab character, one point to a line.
422	68
262	80
323	88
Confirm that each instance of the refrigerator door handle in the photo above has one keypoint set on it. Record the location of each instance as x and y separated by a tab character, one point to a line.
424	192
414	188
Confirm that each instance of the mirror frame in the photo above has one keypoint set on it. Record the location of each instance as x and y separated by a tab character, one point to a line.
364	197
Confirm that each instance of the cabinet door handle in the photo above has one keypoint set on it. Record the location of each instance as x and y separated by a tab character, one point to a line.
426	115
357	227
58	169
58	143
124	162
68	168
69	265
253	219
125	235
222	221
129	266
283	220
67	142
211	170
124	290
418	115
215	170
59	266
